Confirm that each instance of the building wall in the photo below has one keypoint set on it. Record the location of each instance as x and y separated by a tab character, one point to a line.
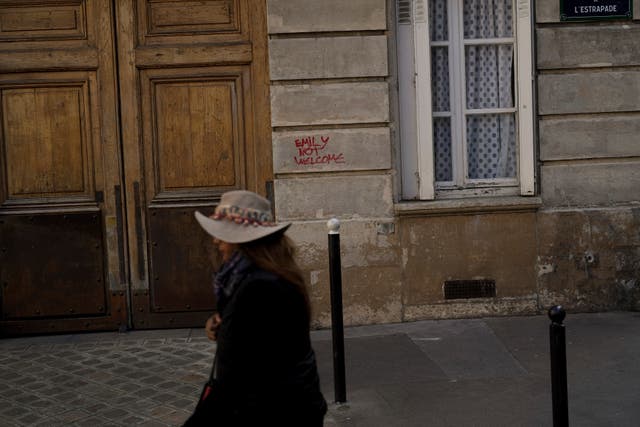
330	113
589	153
333	113
498	246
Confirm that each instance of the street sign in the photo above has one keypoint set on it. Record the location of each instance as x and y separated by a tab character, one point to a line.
590	10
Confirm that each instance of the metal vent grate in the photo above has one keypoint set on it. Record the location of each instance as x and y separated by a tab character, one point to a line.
404	11
463	289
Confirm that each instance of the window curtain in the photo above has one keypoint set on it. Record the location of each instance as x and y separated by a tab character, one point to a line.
489	80
441	103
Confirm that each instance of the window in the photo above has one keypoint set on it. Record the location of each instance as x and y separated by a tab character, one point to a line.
465	81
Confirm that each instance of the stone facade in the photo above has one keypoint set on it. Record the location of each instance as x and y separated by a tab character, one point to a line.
588	120
335	147
331	118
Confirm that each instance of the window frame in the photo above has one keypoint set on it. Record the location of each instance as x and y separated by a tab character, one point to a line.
414	78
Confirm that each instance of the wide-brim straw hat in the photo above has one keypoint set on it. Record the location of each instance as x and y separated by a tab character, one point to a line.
241	217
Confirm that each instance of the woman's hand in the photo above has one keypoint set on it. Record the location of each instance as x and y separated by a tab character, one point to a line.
212	325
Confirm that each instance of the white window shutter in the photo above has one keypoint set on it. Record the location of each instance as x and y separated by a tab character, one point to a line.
407	97
424	124
525	103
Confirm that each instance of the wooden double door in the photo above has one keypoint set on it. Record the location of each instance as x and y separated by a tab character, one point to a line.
120	118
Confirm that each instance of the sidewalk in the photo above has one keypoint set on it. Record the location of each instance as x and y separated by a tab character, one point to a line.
472	372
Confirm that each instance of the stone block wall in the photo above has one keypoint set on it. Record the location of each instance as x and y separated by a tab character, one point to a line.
499	246
330	116
589	140
332	113
589	259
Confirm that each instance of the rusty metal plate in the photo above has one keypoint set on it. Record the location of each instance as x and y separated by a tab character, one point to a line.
52	266
181	262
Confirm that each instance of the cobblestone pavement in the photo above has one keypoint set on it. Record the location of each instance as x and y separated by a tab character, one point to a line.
450	373
145	378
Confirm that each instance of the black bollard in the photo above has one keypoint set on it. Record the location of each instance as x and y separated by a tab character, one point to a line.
558	367
337	327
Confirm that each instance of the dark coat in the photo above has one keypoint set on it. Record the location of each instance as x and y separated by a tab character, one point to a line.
266	369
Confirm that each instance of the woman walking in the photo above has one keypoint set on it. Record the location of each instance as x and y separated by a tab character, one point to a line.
265	369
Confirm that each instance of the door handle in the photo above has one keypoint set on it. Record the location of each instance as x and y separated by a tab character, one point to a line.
120	232
138	224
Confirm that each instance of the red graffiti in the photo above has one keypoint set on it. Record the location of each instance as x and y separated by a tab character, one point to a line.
320	160
312	152
308	146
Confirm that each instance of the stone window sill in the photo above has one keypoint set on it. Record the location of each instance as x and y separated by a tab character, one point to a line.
467	206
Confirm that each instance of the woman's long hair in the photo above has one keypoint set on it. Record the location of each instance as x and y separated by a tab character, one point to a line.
276	254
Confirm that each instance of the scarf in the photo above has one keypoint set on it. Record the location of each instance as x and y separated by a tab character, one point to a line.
230	274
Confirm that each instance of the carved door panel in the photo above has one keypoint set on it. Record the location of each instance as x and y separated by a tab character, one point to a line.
61	249
107	148
195	123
